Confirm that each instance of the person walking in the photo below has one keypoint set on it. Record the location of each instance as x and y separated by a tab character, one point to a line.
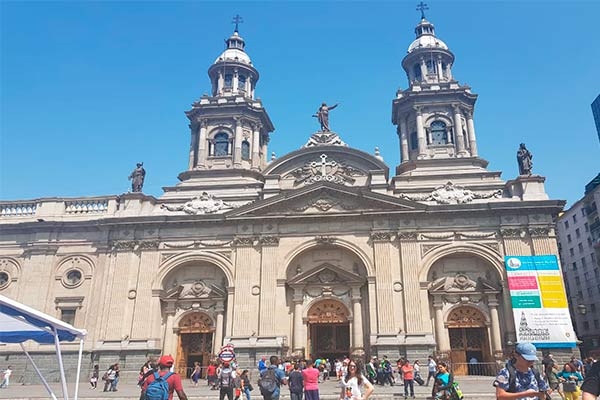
550	372
355	386
262	364
519	380
154	385
226	379
246	386
94	377
296	383
271	380
310	376
111	378
6	377
211	375
443	382
591	384
371	370
569	377
408	375
196	373
431	368
418	377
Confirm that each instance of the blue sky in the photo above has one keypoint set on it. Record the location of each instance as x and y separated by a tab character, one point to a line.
88	89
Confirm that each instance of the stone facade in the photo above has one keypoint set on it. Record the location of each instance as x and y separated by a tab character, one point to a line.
318	253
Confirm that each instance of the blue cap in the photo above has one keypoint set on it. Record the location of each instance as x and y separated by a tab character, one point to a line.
527	351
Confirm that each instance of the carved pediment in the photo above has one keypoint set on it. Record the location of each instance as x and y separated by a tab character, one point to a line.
325	197
193	290
326	274
462	283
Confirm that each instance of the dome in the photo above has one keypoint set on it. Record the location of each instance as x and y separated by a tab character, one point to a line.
427	41
234	55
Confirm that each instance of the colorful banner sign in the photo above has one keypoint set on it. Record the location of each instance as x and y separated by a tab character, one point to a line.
539	301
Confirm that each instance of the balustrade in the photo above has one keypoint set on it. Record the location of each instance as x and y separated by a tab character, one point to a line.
17	209
88	206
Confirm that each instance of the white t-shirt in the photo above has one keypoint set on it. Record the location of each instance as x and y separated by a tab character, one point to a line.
357	391
432	364
7	373
417	368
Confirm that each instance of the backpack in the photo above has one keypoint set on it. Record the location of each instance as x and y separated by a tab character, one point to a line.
455	392
158	389
225	379
268	382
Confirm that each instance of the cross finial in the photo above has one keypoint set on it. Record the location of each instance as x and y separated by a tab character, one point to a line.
422	7
237	20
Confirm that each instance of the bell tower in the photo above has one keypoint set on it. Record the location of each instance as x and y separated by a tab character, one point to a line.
434	120
229	129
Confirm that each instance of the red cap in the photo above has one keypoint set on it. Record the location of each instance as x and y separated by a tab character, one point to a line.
167	361
226	364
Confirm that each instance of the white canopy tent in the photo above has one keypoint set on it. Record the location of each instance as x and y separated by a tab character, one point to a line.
19	323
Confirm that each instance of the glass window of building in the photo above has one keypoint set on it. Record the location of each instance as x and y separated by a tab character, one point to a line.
566	224
580	247
574	218
413	141
569	238
417	72
242	83
245	150
221	144
68	316
228	81
439	133
571	252
586	227
577	233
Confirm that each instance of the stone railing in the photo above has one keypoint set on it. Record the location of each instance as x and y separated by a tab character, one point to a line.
86	206
17	209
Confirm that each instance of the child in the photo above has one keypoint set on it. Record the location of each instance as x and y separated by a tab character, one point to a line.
94	377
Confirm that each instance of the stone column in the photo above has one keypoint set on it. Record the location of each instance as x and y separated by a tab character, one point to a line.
235	83
440	73
220	82
219	329
449	71
237	151
458	131
403	134
268	285
264	149
298	300
441	335
357	322
170	339
421	141
423	70
202	144
410	256
495	325
542	242
193	146
247	269
256	147
248	87
384	280
471	129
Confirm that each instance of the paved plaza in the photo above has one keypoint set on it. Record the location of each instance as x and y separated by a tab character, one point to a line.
473	388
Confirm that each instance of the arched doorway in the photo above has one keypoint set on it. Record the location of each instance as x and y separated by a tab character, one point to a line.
196	332
329	330
467	331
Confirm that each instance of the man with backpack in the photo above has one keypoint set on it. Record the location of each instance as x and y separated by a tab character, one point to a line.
520	380
162	383
226	380
271	380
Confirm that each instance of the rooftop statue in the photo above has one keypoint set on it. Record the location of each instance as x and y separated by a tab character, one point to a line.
524	158
137	178
323	116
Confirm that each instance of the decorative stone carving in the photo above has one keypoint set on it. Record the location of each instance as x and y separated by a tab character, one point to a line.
477	235
407	235
179	245
243	242
466	317
326	170
426	248
196	290
459	282
124	245
327	138
514	233
198	205
539	231
325	203
165	256
398	286
453	194
381	236
327	276
269	240
214	243
328	311
493	246
437	236
149	244
196	322
325	240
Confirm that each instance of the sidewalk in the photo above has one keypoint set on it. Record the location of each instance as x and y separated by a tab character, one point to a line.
473	388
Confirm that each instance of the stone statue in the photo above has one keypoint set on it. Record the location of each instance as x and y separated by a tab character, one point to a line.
524	158
323	116
137	178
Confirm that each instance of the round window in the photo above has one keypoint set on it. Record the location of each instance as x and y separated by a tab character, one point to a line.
4	279
73	278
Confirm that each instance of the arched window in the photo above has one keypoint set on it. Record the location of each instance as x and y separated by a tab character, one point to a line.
245	150
439	134
228	81
242	83
431	67
417	72
221	144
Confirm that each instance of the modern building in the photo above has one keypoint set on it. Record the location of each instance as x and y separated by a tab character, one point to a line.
579	244
596	113
322	252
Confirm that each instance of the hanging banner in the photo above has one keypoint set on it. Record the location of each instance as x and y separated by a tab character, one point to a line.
539	301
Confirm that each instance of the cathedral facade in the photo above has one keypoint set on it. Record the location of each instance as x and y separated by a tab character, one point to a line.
323	252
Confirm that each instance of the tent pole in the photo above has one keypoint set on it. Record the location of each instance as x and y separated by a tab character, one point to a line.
63	379
78	369
50	392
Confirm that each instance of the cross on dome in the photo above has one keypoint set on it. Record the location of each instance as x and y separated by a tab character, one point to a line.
237	20
422	7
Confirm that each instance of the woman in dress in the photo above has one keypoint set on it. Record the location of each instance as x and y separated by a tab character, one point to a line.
196	373
355	386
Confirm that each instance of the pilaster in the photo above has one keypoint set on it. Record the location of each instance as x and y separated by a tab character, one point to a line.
410	256
247	269
268	285
458	131
141	294
421	140
382	247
